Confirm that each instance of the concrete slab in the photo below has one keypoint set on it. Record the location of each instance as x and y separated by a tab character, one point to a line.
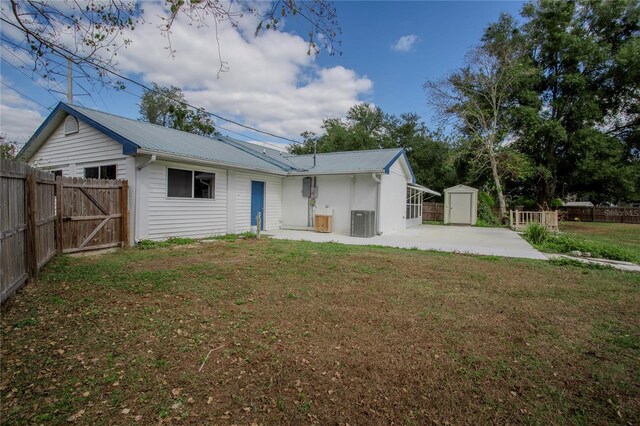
459	239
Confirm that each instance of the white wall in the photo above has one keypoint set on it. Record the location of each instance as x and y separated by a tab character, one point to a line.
342	193
87	148
160	217
393	199
239	207
72	153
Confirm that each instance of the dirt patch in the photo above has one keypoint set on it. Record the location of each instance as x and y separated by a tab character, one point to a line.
317	334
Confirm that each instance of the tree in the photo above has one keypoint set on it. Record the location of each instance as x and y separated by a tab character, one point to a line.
7	148
90	33
364	127
166	106
479	98
368	127
579	115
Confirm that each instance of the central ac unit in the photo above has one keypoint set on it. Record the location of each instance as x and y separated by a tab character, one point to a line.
363	223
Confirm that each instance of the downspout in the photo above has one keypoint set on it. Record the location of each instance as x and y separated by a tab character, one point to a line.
152	159
377	179
137	212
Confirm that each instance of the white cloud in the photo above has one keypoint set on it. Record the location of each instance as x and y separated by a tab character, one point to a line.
19	117
272	84
405	43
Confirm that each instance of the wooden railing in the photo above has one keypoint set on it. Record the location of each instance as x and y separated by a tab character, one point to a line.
521	219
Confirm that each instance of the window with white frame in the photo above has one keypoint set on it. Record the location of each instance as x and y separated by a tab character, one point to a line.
414	203
190	184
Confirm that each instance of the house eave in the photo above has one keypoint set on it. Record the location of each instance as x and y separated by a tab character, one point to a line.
335	172
186	159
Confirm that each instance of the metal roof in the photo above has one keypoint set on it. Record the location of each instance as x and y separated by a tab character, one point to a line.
146	138
378	160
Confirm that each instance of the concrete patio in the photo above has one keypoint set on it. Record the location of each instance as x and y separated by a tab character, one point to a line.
458	239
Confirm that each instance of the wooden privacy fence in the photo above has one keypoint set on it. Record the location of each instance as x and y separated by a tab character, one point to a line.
433	211
41	215
603	214
27	215
519	220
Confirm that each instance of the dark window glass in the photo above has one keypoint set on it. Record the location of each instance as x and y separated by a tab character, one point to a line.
108	172
56	173
92	172
179	183
204	184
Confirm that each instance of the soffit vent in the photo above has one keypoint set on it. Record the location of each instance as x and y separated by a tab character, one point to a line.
70	125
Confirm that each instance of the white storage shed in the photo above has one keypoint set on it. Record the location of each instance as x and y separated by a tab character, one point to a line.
460	205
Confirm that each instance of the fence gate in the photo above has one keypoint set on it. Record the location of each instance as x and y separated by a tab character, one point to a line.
41	214
92	214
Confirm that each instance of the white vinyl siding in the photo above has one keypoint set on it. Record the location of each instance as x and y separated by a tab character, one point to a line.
393	198
240	184
179	217
72	153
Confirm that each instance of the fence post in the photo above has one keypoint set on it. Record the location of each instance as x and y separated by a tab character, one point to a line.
59	214
593	214
124	218
259	223
31	234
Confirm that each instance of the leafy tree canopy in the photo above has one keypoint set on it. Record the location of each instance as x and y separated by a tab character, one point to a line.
368	127
166	106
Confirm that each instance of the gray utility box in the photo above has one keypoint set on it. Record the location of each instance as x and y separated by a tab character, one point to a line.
363	223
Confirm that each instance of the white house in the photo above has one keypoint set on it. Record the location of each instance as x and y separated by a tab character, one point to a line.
184	185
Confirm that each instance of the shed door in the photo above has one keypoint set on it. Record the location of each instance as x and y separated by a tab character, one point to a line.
257	202
460	208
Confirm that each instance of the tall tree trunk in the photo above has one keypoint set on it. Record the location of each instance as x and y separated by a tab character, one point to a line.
496	181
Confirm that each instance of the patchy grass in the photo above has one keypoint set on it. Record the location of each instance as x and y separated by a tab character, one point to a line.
624	236
307	333
604	240
433	222
173	241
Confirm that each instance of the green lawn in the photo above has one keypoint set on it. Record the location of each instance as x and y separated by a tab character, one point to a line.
624	236
270	332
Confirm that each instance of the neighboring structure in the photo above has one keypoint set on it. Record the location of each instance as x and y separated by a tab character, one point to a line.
185	185
461	205
578	204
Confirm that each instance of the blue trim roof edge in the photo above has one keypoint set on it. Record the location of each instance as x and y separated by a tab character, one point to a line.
393	160
128	147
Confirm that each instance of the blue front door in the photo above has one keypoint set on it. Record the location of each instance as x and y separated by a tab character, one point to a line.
257	202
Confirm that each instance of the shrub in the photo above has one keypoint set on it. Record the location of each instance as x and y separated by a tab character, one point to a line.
556	203
563	243
486	217
536	233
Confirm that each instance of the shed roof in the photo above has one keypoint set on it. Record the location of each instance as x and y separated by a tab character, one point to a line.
578	204
460	188
146	138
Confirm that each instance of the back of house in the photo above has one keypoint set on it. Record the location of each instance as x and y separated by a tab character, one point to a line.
186	185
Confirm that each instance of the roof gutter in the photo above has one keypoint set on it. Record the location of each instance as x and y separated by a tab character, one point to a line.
152	159
344	172
182	159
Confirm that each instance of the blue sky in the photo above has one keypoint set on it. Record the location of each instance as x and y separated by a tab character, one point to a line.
272	84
